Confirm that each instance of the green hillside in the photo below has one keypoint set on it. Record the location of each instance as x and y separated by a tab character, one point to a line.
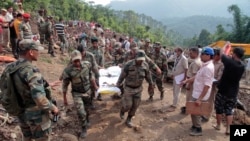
191	26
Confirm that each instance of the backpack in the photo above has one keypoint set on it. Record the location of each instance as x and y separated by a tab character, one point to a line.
124	44
9	98
43	28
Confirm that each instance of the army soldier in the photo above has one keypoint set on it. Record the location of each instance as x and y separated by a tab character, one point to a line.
133	72
40	20
160	60
25	28
147	48
29	83
48	35
118	53
80	76
88	56
99	57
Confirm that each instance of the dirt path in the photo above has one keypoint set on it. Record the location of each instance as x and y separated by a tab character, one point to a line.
151	120
152	123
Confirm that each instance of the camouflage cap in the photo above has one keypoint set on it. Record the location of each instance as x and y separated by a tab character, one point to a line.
117	45
133	45
29	44
157	44
75	55
140	55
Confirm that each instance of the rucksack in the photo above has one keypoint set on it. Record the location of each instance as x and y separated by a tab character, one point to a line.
124	44
12	101
43	28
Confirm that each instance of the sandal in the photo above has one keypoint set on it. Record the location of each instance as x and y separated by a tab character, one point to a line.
216	127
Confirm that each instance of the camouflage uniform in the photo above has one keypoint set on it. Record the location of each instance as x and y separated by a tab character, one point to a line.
34	122
25	30
90	58
118	53
161	61
134	76
40	20
80	80
48	38
147	49
98	54
130	56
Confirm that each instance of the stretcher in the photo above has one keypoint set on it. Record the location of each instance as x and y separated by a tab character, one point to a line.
108	79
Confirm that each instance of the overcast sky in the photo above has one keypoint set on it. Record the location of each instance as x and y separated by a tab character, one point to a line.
160	9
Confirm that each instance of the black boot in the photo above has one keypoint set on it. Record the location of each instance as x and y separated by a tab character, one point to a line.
162	95
197	131
121	115
84	132
128	121
99	97
88	122
52	55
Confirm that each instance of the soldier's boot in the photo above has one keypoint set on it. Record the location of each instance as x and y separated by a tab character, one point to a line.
122	115
162	95
128	121
99	97
150	99
88	122
52	54
83	133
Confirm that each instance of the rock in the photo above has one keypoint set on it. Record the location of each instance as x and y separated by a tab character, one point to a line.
69	137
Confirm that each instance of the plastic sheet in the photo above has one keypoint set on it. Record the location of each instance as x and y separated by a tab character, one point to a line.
108	79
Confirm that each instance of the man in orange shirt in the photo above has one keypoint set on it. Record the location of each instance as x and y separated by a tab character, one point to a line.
17	23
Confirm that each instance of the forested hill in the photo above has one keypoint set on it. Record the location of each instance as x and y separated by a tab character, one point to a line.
126	22
190	26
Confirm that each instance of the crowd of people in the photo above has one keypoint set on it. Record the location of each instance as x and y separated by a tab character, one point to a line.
208	75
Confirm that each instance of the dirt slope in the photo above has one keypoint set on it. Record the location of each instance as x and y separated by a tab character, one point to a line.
152	122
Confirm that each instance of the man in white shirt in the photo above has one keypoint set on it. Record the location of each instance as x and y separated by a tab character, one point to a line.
9	15
203	81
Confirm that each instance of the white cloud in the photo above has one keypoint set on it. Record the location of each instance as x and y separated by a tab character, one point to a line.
103	2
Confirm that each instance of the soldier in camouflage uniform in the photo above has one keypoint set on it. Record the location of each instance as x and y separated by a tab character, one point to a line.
160	60
99	57
132	54
34	122
25	28
118	54
147	48
133	73
48	36
40	20
88	56
80	76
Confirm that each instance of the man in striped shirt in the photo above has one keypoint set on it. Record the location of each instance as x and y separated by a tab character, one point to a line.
60	31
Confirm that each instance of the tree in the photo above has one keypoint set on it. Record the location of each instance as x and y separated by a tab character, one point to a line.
204	38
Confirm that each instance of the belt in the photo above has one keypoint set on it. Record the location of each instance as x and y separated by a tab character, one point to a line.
5	27
81	91
133	86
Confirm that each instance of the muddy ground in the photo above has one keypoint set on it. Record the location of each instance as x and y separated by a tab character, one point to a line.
152	122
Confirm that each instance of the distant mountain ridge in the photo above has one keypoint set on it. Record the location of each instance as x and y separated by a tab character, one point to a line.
191	26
